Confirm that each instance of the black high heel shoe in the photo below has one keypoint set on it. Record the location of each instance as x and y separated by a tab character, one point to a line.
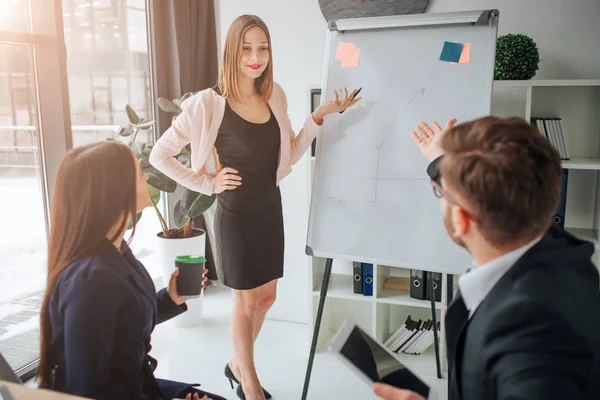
229	375
240	392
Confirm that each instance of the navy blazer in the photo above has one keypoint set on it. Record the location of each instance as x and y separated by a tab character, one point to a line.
102	311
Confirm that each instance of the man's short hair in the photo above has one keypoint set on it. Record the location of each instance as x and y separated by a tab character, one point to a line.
507	173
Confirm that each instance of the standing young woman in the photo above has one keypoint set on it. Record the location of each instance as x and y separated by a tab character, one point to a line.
243	145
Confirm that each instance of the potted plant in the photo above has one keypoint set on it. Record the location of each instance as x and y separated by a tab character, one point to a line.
184	239
517	57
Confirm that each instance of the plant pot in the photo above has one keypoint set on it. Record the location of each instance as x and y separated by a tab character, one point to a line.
169	249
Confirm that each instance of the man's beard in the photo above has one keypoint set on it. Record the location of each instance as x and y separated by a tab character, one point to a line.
450	229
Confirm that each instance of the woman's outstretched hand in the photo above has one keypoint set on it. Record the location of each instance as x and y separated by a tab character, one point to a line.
335	105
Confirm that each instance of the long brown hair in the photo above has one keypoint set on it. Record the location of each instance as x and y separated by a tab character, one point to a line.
229	76
95	188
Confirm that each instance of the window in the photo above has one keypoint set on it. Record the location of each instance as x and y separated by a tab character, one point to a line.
29	116
108	68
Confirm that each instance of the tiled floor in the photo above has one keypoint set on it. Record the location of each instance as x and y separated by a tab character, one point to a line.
199	354
19	330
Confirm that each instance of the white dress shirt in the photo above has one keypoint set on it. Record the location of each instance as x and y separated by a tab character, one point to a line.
478	282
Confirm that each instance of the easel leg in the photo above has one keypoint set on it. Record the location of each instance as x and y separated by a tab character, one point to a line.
436	343
315	338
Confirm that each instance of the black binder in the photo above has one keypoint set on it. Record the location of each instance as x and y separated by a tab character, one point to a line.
437	287
559	214
417	284
358	275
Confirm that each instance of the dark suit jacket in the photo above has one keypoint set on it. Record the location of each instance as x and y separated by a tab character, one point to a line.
102	311
537	333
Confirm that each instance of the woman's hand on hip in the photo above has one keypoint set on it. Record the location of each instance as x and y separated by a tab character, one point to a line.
335	105
227	179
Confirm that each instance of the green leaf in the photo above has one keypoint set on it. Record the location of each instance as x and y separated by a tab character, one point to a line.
146	166
137	219
145	125
184	159
178	215
132	115
167	106
109	139
126	130
187	149
194	203
186	96
161	181
154	193
177	102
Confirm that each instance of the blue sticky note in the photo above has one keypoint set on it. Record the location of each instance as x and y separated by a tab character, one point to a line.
451	52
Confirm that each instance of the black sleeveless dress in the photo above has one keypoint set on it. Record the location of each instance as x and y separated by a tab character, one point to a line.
249	219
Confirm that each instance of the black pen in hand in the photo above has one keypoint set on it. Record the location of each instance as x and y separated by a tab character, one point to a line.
353	97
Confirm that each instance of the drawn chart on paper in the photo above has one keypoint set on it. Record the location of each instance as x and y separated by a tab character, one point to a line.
372	159
371	198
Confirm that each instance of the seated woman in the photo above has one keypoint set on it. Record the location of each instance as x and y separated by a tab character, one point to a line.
100	305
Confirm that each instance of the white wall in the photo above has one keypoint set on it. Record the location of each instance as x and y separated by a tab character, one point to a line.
566	31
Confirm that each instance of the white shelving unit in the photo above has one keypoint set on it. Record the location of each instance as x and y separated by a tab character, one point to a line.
577	102
380	315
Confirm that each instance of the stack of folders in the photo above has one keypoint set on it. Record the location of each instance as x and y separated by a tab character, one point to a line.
552	129
414	337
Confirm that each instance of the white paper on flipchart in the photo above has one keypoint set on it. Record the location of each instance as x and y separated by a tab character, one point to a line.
371	199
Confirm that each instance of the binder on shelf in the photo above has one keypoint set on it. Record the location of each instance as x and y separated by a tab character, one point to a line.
551	134
416	328
388	343
437	287
414	337
415	347
417	284
358	278
411	343
562	138
367	274
559	214
411	326
554	124
552	129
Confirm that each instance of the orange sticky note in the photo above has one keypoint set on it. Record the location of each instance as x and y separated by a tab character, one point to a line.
465	56
348	54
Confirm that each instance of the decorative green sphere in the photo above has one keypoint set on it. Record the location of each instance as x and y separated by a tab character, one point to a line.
517	57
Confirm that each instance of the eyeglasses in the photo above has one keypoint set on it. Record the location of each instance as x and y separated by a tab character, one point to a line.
440	193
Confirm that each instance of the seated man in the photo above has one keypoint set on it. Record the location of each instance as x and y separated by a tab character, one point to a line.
525	323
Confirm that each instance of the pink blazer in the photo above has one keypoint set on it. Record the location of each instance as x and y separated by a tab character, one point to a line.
199	124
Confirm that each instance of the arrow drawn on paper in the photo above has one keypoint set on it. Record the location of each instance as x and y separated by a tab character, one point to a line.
417	93
420	92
